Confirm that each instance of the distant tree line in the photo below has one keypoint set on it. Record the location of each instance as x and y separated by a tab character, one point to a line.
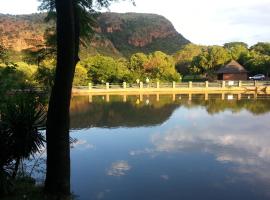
38	67
96	69
205	60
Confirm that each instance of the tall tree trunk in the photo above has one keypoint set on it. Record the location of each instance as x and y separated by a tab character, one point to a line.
57	132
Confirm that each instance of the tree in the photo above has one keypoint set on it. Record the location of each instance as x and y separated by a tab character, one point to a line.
257	63
237	50
184	57
106	69
161	66
45	76
80	77
233	44
73	17
262	47
12	78
57	128
210	59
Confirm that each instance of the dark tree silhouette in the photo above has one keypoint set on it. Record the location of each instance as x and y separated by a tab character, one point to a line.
57	133
73	18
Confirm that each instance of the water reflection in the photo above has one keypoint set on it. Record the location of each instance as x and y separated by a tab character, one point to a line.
119	168
150	110
116	113
217	148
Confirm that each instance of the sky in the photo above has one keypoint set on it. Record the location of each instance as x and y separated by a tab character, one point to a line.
206	22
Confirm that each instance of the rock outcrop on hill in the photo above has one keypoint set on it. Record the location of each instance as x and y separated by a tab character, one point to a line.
116	34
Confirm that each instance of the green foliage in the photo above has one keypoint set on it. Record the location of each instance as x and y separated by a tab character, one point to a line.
257	63
80	77
45	76
210	59
262	47
238	51
27	70
184	57
156	66
16	75
137	62
234	44
105	69
12	78
22	119
161	67
101	69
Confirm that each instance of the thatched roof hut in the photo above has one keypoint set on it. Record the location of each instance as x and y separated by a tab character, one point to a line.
232	71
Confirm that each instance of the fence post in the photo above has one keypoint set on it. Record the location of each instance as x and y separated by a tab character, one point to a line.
124	85
255	83
173	84
107	86
89	86
141	85
157	84
190	84
223	84
240	84
206	84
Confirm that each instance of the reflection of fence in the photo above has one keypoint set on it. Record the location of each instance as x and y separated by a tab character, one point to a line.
175	96
190	86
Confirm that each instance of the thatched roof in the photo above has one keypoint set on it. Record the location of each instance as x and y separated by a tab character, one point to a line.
232	68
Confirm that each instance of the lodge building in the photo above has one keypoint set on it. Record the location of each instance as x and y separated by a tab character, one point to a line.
232	71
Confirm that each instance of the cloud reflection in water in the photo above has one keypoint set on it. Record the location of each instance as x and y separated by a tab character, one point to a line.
119	168
242	140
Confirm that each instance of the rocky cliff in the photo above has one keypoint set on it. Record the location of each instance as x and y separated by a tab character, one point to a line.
116	34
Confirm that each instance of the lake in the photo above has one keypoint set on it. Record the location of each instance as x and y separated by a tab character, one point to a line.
171	147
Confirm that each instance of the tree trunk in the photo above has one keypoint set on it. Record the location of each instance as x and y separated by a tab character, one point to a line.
57	132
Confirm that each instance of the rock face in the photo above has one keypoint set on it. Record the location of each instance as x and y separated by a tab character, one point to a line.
116	34
137	32
18	32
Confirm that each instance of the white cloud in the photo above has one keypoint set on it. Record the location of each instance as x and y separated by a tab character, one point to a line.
245	145
119	168
82	144
165	177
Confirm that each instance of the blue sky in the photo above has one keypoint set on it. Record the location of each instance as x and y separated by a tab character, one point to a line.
201	21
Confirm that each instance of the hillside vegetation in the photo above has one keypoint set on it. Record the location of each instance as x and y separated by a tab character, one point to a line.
126	47
116	35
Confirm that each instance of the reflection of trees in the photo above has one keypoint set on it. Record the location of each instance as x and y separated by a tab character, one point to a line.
214	106
115	114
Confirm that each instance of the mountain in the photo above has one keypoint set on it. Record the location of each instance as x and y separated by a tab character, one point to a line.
116	35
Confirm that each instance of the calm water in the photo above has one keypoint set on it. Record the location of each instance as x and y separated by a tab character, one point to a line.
171	147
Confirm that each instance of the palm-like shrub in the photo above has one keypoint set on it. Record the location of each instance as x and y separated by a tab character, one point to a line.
23	119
